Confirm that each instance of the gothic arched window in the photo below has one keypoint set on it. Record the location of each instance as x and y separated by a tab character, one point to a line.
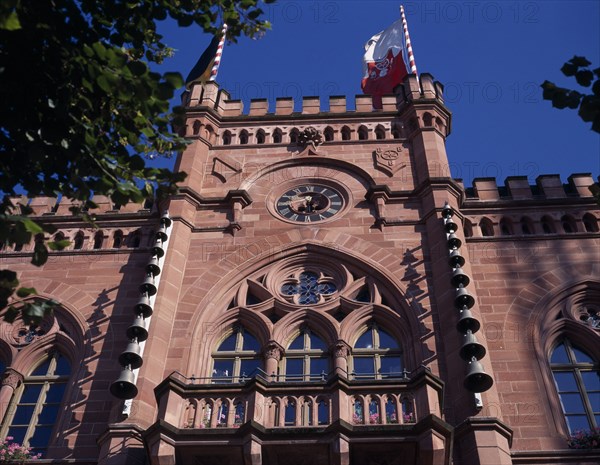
306	358
236	357
376	355
577	379
35	405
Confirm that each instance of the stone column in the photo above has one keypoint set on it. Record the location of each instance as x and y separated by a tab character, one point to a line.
12	380
272	354
341	350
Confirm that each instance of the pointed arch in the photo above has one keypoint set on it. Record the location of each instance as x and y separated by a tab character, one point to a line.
328	133
260	136
321	323
363	133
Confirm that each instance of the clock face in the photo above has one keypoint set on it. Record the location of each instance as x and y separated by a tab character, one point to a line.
309	203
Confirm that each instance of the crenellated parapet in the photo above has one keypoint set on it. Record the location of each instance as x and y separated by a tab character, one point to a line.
214	117
548	209
114	227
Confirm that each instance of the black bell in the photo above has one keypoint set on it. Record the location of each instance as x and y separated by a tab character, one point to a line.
162	233
476	379
143	306
459	277
148	286
463	299
456	259
124	387
166	219
132	355
471	347
157	248
467	322
450	226
153	267
447	212
138	329
453	241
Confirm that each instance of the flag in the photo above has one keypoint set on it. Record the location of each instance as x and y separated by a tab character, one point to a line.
201	70
383	62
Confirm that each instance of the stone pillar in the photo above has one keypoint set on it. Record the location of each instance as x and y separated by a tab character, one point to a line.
272	354
252	453
483	441
340	451
11	381
341	350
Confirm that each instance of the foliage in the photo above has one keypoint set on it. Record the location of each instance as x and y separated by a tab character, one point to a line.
81	109
585	439
13	452
588	104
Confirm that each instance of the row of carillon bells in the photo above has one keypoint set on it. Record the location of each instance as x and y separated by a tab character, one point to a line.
476	379
131	358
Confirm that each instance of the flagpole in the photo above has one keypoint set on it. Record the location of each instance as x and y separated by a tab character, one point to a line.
411	56
215	69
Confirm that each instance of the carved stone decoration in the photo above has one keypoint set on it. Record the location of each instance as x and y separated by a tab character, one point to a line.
273	350
590	316
225	167
341	349
388	161
310	136
19	334
12	378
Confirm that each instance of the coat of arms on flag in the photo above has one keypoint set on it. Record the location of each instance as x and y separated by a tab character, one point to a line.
383	63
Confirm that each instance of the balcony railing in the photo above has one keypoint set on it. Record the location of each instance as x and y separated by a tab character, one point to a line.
308	401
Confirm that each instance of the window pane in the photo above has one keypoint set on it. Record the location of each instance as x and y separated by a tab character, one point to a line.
228	344
391	366
595	401
250	342
577	422
63	368
318	366
223	368
290	414
17	433
364	366
365	341
560	355
386	341
30	393
298	343
55	393
591	380
572	403
565	381
2	367
581	356
249	367
23	414
294	369
41	437
323	412
316	342
42	369
49	414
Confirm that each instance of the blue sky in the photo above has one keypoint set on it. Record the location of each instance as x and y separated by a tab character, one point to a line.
491	57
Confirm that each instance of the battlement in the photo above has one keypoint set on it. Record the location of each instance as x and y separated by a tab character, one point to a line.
516	188
412	89
61	207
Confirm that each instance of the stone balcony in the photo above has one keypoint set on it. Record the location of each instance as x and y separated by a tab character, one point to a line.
327	420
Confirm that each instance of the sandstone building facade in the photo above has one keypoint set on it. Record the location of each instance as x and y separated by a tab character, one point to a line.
320	291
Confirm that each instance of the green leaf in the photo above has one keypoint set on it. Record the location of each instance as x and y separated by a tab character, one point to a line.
569	69
584	77
175	79
59	245
10	22
138	68
31	226
23	292
103	83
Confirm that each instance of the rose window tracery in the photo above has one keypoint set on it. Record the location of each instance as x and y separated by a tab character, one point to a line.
308	288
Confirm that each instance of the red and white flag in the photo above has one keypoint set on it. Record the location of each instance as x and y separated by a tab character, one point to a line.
383	62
